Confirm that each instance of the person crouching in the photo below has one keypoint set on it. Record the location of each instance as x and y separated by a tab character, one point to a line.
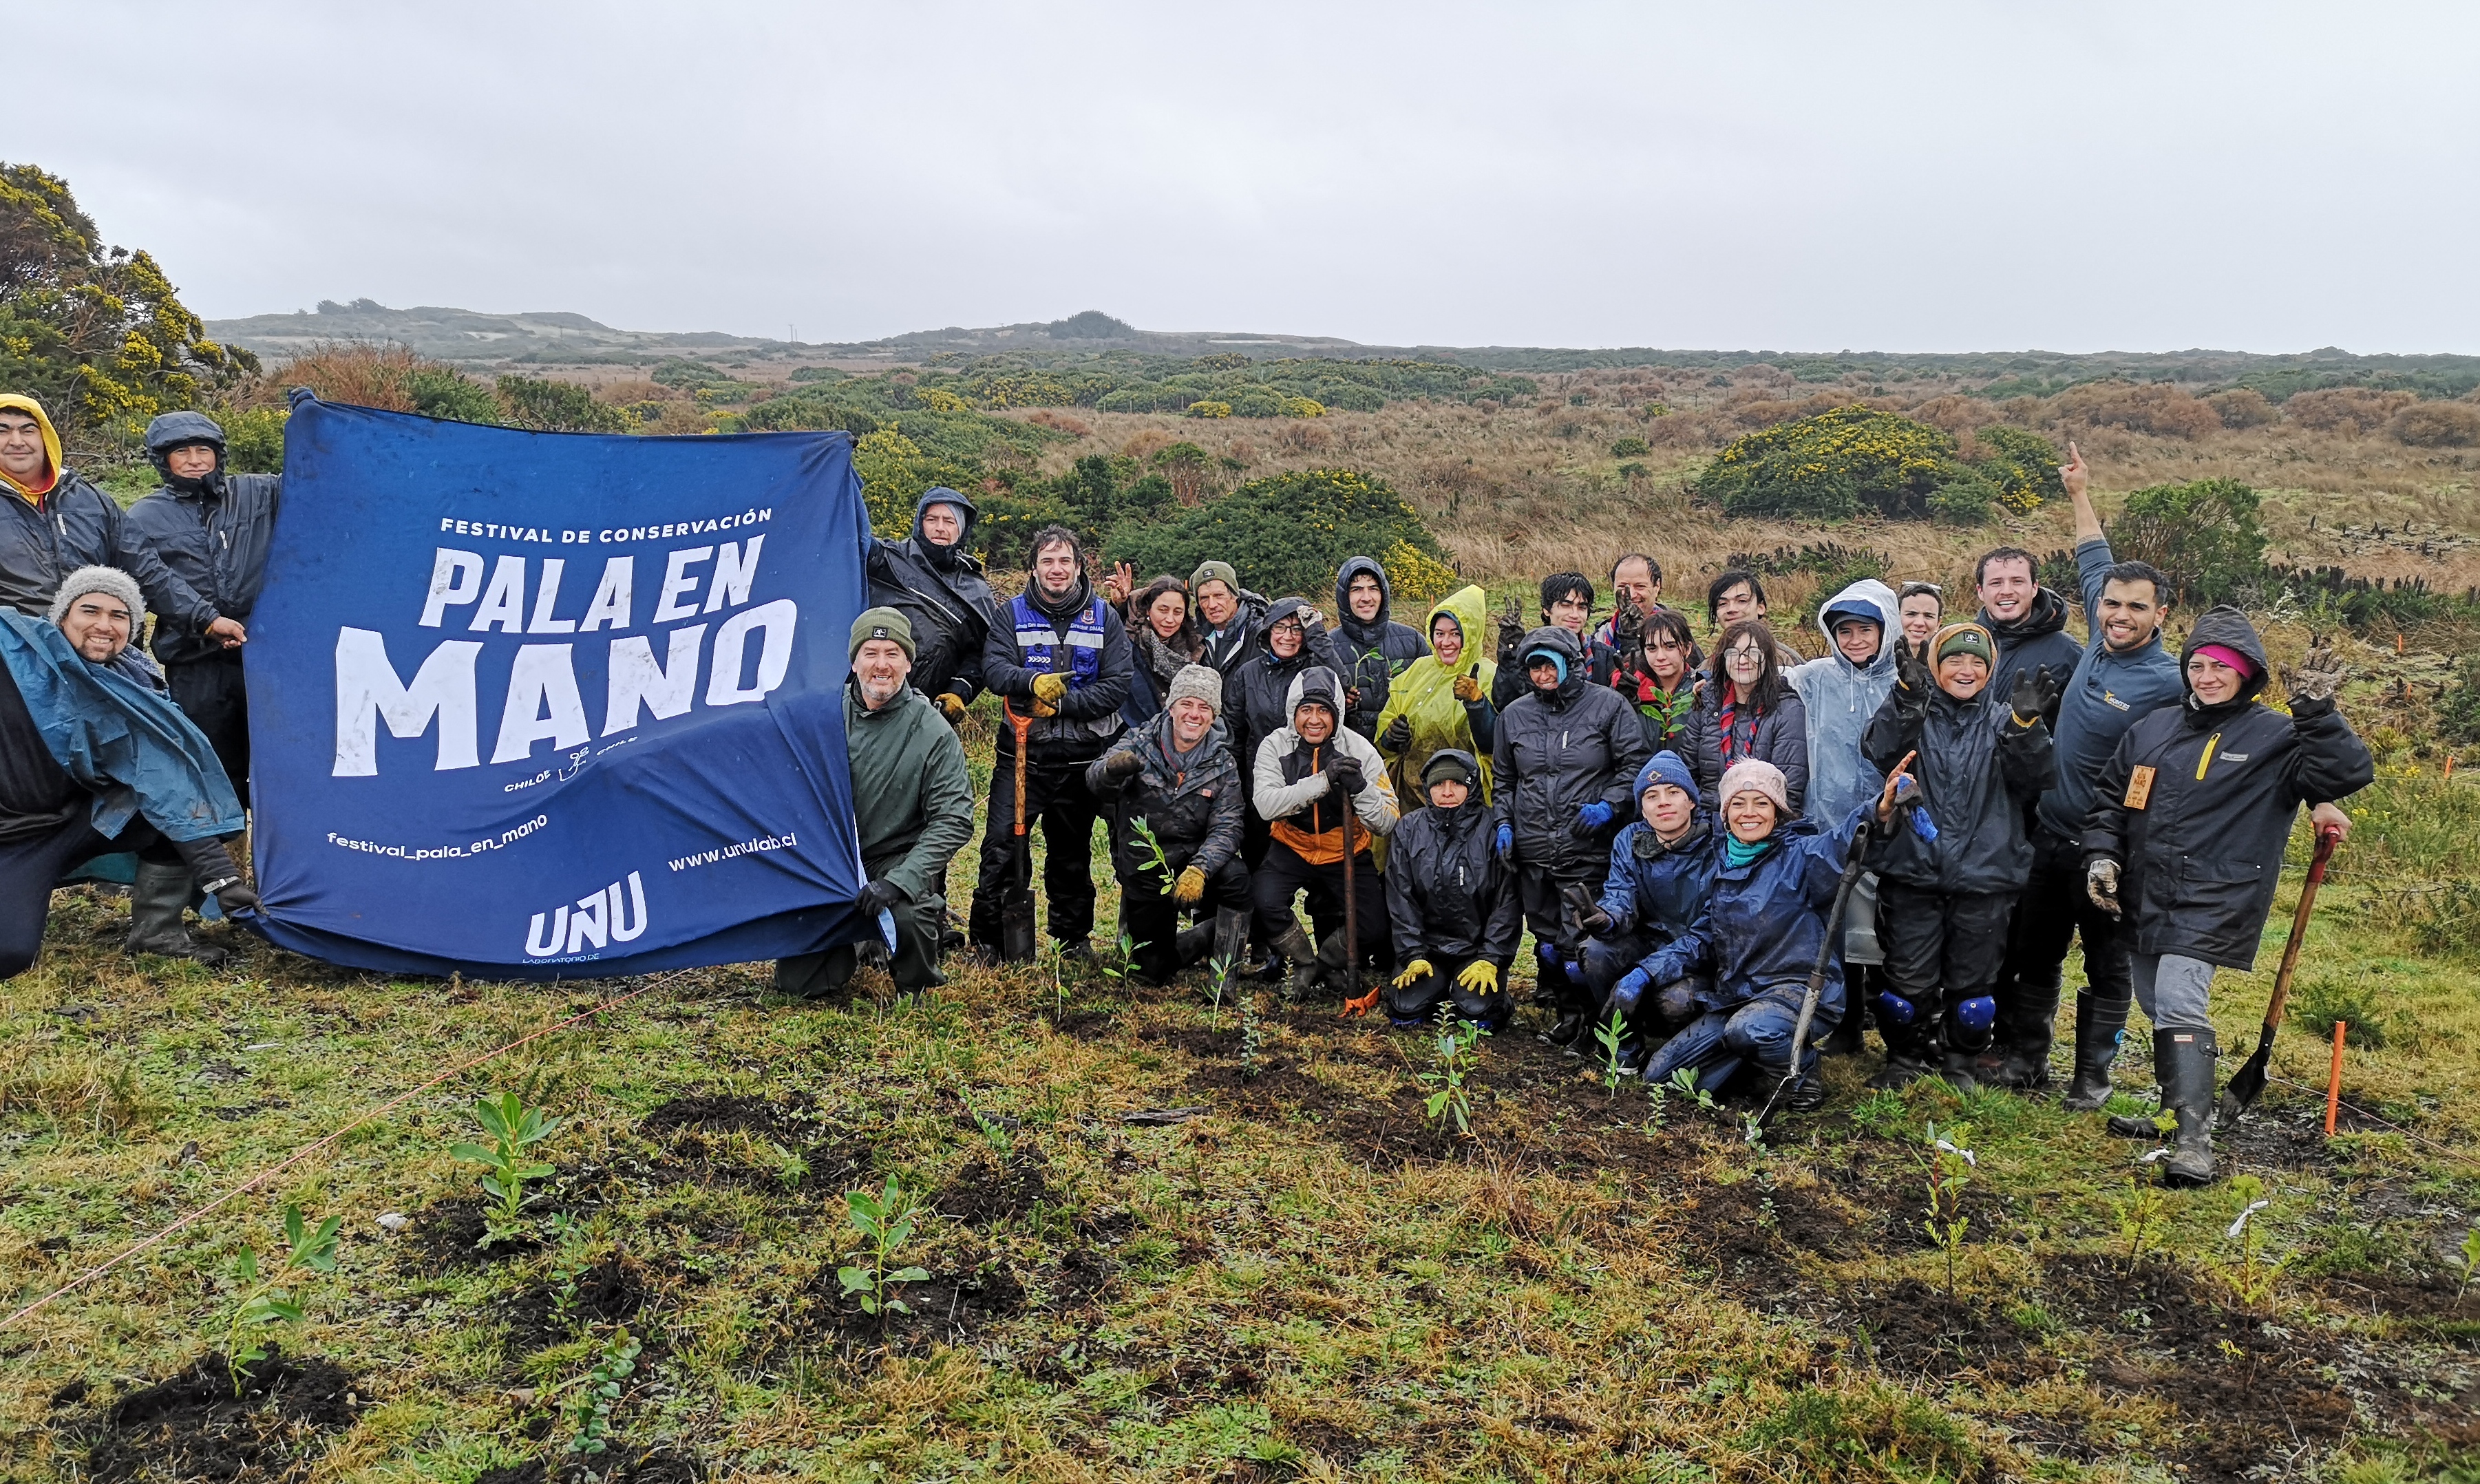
1307	774
1948	892
1763	931
1639	962
1454	906
1176	777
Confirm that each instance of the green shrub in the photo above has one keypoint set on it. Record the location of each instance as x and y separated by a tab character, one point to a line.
1842	463
557	406
1286	533
2204	534
443	391
254	439
2022	465
1630	447
894	471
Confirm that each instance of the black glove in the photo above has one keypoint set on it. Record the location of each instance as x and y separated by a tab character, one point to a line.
1398	735
1511	631
1123	763
1913	676
2036	693
877	897
1343	773
212	869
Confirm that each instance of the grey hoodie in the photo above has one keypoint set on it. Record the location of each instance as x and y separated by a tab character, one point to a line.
1841	697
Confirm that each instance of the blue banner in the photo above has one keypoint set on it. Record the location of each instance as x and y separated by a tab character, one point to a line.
530	705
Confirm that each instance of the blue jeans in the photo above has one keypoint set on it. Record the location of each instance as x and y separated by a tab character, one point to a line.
1715	1044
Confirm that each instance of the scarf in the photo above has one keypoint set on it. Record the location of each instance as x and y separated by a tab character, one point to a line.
1738	853
1161	660
1730	720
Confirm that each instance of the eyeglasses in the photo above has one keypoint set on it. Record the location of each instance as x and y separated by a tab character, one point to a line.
1289	629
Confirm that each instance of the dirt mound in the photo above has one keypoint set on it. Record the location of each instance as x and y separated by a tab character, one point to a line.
546	1313
193	1424
985	1190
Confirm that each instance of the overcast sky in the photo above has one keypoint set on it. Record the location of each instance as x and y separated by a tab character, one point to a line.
2085	177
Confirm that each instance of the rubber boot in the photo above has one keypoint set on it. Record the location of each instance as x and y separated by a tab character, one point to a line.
2099	1025
1295	947
158	900
2186	1060
1232	936
1193	944
1327	969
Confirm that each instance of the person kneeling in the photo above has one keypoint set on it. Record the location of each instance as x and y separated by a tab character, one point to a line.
1762	932
1638	964
1307	775
912	808
95	760
1455	908
1171	791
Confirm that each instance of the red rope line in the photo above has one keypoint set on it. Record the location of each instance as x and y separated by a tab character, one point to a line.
307	1150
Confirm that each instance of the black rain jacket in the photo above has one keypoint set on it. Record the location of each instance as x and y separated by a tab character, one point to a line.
1374	652
76	526
1978	772
941	592
1257	693
1447	895
1556	753
2200	859
211	534
1194	813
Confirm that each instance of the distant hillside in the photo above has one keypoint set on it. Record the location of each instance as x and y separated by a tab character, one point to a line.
562	339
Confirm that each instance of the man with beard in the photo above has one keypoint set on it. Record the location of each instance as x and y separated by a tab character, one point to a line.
1061	655
1176	776
913	807
1369	644
54	521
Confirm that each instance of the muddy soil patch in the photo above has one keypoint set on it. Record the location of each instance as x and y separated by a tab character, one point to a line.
621	1465
732	1140
547	1313
447	1235
193	1424
1916	1329
985	1190
956	1301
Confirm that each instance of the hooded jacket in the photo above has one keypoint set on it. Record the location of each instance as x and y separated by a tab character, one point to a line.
1559	751
1373	653
1291	791
1978	772
47	533
1194	811
211	535
1225	647
2109	693
1765	922
1424	694
127	746
913	795
941	590
2039	637
1840	697
1777	735
1447	894
1088	715
1659	889
2201	856
1256	692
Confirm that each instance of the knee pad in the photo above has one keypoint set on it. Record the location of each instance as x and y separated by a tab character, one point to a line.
1976	1014
1893	1010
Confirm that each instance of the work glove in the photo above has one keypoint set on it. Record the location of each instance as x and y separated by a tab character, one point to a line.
951	706
1627	627
1913	677
877	897
1049	688
1414	973
213	868
1587	913
2036	693
2101	883
1190	888
1467	689
1398	735
1629	991
1122	764
2317	677
1505	843
1511	631
1479	977
1343	773
1590	817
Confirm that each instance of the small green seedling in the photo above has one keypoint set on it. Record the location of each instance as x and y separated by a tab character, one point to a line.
513	1127
1150	852
597	1391
1252	1037
885	1221
1125	951
2469	1259
2252	1278
1684	1082
1951	1167
1222	965
2139	1213
264	1303
1452	1061
1613	1036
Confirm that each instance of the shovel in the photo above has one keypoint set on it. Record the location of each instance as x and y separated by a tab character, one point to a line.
1015	903
1856	865
2247	1085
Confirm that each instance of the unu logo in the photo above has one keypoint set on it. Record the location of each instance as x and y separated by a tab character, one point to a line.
595	921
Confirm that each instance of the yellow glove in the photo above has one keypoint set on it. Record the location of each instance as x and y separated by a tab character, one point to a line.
1416	970
951	706
1190	886
1049	688
1467	689
1480	976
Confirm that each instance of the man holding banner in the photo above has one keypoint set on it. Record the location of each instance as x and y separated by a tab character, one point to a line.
914	805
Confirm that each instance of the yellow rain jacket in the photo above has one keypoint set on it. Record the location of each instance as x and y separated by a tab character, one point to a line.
16	402
1425	693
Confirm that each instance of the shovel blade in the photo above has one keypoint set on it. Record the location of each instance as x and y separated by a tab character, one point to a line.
2246	1085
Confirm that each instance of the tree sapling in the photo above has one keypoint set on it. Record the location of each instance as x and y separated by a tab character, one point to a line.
263	1302
1452	1061
1951	1167
1613	1036
589	1405
885	1221
513	1127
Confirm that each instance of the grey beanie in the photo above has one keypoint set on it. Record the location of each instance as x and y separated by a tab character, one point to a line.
1196	682
111	580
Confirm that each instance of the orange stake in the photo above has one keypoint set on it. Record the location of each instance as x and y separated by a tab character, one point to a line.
2334	1082
2449	767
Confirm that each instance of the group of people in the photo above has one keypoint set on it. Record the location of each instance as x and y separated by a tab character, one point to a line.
1677	828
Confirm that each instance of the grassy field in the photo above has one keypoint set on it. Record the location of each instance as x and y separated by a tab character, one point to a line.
1171	1238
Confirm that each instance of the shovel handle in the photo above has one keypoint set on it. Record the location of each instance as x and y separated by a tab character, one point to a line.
2326	841
1020	726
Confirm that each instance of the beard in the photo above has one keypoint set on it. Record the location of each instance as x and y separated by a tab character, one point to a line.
878	691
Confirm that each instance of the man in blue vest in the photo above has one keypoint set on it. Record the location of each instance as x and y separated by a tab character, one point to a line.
1060	654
